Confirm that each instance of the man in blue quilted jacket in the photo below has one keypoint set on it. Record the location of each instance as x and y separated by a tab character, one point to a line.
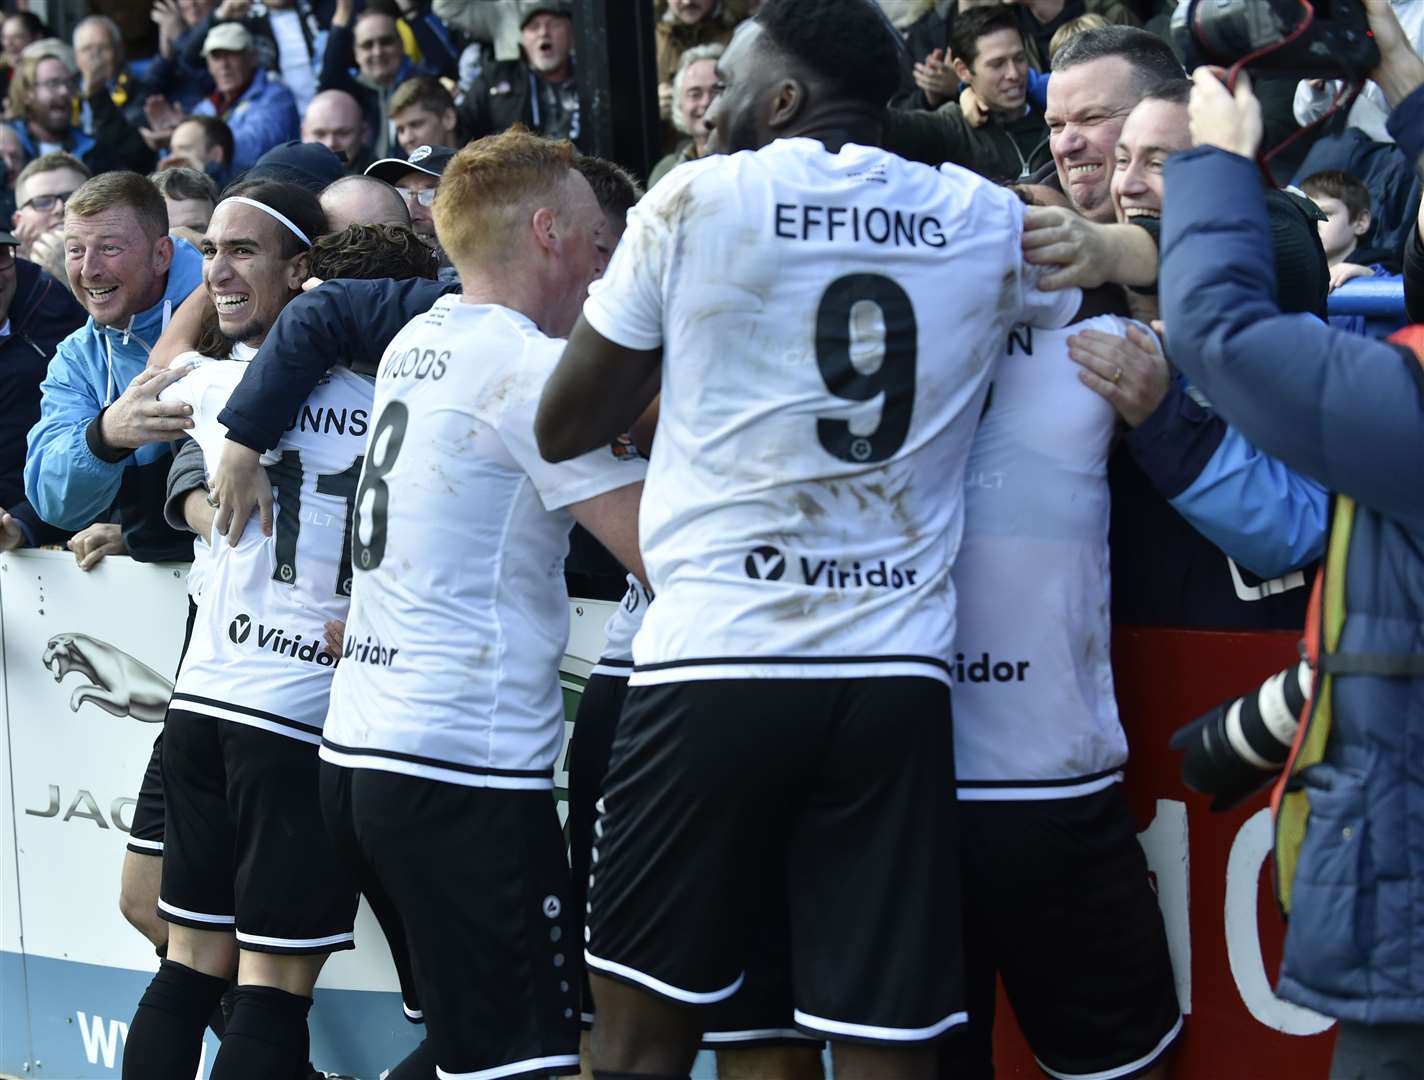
1349	413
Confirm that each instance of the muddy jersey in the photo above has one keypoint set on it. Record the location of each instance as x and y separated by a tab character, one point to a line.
829	322
1034	712
459	615
256	655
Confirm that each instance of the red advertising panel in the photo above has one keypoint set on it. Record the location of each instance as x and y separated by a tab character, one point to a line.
1212	871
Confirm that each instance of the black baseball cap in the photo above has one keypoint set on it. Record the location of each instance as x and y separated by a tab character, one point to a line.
430	160
311	165
546	7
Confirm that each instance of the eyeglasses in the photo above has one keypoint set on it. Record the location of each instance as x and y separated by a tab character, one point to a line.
425	198
43	203
7	256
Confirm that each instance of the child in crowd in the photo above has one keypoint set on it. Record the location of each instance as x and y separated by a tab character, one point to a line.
1345	201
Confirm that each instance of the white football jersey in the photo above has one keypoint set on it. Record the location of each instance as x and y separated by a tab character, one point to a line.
459	615
620	630
1034	712
829	323
256	656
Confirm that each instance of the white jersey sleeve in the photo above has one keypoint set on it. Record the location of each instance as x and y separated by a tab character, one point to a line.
584	477
626	304
1035	306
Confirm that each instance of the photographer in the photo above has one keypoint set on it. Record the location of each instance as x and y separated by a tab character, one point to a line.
1350	414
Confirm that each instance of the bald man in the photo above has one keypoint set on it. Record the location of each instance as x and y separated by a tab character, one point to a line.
334	119
363	200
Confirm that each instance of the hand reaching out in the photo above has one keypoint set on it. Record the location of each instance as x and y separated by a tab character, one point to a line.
1343	272
1222	119
92	545
935	76
1130	373
241	485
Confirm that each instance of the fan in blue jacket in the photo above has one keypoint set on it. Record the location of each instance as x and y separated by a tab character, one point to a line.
1347	412
71	477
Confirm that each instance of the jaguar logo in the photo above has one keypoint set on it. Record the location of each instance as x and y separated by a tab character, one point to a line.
118	683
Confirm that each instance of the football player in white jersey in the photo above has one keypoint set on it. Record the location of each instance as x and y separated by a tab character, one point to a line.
250	878
1039	749
446	712
823	319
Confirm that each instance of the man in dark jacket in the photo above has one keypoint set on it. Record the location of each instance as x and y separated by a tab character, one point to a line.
36	314
1349	839
1012	144
540	90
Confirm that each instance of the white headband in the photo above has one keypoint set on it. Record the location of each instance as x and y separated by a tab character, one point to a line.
283	218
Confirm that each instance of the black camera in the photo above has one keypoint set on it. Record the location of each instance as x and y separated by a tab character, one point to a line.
1279	36
1240	746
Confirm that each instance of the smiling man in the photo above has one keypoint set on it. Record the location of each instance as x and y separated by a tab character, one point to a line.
1012	144
1098	77
128	274
249	873
1154	130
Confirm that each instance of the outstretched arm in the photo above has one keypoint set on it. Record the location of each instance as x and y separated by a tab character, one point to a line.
1347	412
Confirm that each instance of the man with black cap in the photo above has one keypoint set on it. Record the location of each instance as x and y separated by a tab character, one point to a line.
539	90
307	164
416	178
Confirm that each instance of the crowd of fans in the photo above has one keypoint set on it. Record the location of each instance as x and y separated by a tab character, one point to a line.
365	105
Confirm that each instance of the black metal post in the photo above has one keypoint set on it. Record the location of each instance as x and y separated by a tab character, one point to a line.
618	90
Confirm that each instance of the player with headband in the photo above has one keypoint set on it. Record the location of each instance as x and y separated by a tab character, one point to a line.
250	880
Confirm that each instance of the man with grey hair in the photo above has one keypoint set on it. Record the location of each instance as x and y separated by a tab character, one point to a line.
260	111
694	88
363	200
99	55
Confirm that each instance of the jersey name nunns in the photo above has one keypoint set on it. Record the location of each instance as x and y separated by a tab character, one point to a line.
459	616
829	323
256	656
1035	716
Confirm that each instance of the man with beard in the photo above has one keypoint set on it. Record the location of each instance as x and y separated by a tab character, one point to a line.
42	95
249	875
539	90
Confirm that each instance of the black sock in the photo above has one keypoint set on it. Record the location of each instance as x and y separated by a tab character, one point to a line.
165	1039
266	1035
419	1064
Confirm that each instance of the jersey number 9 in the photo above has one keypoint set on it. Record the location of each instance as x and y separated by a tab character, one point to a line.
894	378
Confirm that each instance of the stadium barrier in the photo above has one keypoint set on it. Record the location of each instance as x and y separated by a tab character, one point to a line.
1379	301
88	661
